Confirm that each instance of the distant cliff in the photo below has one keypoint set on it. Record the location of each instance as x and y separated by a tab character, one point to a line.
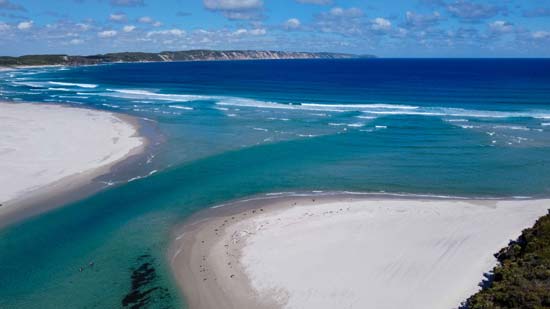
187	55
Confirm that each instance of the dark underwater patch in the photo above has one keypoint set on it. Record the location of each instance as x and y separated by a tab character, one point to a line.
145	289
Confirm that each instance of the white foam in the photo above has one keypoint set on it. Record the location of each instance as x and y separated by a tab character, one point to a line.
369	111
180	107
148	95
30	84
460	112
242	102
278	193
363	106
59	89
520	128
74	84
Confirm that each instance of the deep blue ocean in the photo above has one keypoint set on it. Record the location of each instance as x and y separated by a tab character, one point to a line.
445	127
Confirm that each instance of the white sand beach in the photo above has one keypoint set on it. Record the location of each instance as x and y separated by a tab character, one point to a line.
345	252
43	146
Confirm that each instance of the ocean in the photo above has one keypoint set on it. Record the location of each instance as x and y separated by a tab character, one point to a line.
418	127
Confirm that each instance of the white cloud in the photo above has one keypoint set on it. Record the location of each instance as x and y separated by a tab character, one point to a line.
339	20
8	5
258	31
83	27
415	20
129	3
25	25
380	24
293	23
117	17
107	34
4	27
149	20
76	41
145	20
236	9
318	2
401	33
501	26
541	34
240	31
473	11
128	28
226	5
173	32
351	12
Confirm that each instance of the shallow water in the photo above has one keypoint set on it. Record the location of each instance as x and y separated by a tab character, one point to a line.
234	129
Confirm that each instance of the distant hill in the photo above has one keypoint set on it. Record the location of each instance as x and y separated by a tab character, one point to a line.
166	56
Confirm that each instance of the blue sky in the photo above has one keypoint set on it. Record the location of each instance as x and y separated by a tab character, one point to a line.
397	28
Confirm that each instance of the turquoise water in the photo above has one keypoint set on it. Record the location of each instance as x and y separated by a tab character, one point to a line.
234	129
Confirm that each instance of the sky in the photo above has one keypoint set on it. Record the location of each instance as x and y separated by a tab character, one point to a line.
386	28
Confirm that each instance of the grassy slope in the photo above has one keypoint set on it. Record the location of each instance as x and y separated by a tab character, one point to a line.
522	280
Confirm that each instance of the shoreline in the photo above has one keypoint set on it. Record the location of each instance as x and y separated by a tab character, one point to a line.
83	183
22	67
212	257
19	67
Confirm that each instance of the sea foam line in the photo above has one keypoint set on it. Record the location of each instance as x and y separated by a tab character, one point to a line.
368	110
81	85
144	94
180	107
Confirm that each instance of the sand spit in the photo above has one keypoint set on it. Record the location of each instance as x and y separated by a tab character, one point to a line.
50	149
344	251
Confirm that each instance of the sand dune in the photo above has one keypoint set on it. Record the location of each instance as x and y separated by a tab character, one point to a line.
347	252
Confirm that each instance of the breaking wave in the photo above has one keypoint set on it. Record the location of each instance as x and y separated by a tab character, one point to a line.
74	84
148	95
367	111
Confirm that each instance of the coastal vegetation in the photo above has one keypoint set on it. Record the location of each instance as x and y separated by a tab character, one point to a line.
187	55
522	278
